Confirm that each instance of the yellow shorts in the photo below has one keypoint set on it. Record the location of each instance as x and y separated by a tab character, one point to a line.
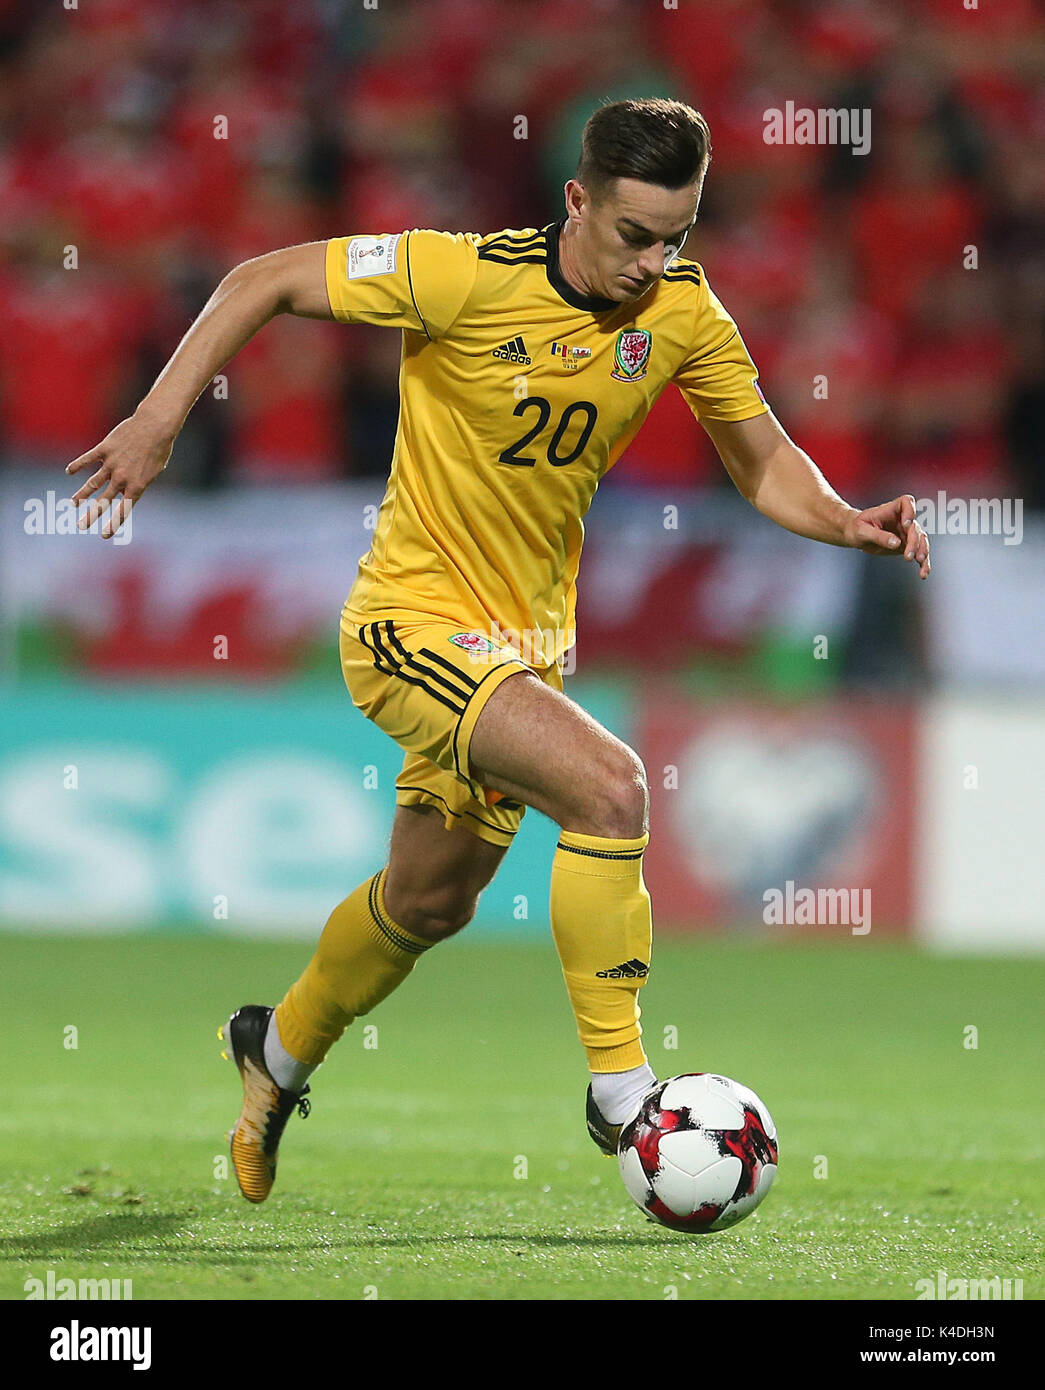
425	683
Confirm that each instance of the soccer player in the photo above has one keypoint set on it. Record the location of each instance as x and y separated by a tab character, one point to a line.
530	358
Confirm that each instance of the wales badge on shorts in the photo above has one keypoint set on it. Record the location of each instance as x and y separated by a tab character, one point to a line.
631	354
471	641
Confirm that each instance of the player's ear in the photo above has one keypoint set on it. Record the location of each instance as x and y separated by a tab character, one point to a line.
576	198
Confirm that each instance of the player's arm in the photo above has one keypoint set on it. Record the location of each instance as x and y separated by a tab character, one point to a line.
783	483
131	456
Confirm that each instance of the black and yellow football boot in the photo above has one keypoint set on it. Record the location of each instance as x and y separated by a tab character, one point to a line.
254	1138
605	1135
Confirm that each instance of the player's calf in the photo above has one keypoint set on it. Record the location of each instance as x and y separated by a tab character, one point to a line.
435	875
534	743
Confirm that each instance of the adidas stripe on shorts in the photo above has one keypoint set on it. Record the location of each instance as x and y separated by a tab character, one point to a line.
426	692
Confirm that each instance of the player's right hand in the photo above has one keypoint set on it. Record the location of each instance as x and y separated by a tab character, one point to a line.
127	460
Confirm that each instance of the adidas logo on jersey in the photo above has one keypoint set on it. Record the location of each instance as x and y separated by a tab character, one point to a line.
629	970
515	351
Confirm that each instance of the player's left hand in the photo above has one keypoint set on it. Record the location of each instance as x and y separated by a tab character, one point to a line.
891	529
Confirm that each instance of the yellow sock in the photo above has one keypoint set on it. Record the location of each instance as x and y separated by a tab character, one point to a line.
603	929
361	957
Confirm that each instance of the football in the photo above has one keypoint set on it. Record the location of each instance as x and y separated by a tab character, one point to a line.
701	1153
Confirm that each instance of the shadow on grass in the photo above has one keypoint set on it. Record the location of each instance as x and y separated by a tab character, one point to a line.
134	1239
98	1235
514	1242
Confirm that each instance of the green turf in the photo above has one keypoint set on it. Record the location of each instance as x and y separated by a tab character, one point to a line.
402	1183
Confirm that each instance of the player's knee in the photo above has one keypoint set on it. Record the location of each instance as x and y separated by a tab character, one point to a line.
432	916
623	797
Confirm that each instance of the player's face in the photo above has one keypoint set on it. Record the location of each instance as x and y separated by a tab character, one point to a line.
631	234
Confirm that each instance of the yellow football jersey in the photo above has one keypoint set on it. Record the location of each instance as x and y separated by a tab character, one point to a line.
517	394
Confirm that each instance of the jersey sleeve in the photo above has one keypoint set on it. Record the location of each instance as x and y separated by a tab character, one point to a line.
718	379
417	280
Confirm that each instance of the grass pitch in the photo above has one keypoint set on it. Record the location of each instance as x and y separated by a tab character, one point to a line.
451	1160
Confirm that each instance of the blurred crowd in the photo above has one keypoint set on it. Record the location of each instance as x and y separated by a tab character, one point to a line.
893	301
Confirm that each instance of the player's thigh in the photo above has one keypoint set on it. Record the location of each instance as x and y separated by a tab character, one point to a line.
535	744
435	875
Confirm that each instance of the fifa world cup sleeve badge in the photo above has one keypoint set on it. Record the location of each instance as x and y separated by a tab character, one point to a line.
631	354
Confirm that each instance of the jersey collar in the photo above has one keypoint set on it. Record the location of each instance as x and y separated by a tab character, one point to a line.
592	303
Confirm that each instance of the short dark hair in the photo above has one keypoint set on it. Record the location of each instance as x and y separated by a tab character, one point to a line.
652	140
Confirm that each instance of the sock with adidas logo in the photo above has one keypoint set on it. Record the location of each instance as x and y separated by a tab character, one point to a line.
602	925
